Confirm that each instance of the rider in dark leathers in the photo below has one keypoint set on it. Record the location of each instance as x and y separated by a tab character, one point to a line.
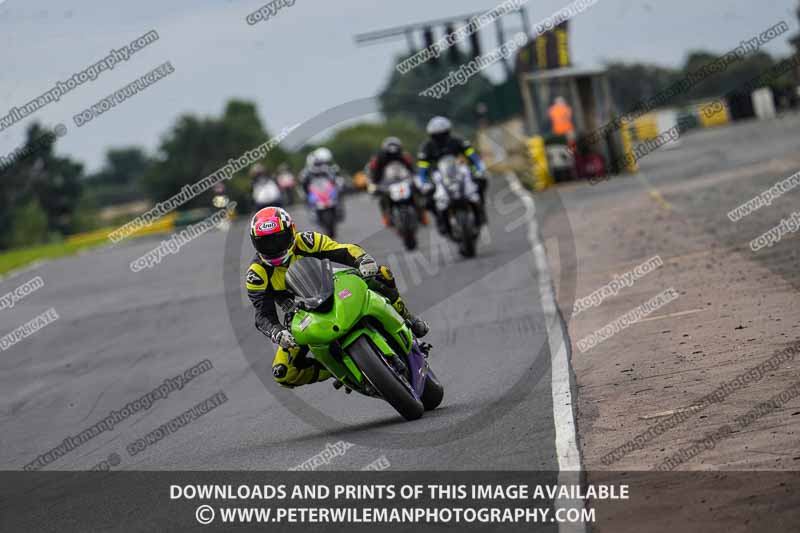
391	151
440	144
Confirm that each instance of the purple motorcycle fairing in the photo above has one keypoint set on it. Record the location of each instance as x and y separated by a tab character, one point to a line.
418	367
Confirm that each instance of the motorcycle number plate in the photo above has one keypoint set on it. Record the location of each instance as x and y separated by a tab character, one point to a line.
399	191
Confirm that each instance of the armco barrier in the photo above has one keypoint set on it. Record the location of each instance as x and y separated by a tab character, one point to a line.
165	224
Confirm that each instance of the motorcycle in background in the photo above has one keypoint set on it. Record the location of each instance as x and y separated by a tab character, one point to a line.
457	203
287	184
220	200
398	189
266	193
323	200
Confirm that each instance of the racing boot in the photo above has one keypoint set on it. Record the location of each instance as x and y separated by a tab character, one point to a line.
338	385
418	326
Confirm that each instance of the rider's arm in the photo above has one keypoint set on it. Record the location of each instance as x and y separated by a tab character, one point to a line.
321	246
408	161
267	321
375	168
472	155
305	180
423	164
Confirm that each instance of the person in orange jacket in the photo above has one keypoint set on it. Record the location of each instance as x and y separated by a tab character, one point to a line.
561	117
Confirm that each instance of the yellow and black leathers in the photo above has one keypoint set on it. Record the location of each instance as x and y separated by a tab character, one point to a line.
266	288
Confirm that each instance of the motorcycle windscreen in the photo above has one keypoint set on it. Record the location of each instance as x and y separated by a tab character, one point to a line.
311	282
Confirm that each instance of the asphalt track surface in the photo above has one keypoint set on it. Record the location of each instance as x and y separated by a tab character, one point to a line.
121	334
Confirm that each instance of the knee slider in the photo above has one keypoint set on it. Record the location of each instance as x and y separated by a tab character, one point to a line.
279	372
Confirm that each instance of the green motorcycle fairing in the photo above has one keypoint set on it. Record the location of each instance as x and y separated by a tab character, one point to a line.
342	324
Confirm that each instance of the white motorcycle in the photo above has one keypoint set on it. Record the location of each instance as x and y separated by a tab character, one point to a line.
457	202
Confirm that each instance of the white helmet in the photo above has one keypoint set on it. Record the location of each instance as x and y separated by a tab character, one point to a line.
439	125
322	156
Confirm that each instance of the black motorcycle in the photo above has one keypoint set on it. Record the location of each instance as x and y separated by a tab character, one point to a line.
398	192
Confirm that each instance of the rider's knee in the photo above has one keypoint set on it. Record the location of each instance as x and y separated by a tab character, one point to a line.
282	369
282	376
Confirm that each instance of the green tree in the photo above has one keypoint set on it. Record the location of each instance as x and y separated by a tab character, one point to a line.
354	146
196	147
634	82
122	166
29	224
37	181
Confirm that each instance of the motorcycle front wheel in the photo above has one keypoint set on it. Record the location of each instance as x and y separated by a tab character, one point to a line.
384	379
327	219
466	223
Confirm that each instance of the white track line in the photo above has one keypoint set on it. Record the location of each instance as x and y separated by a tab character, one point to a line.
569	459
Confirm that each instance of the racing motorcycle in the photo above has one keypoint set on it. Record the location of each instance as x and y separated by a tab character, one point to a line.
457	200
323	200
397	187
287	184
220	200
266	193
359	337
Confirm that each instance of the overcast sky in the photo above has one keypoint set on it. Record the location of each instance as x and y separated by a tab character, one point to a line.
301	62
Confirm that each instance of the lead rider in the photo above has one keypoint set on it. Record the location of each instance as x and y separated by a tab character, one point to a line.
278	245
